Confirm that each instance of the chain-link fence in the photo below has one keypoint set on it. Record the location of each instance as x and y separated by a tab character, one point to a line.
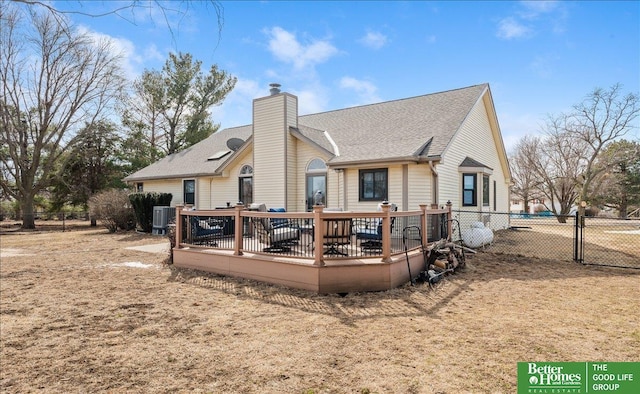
49	221
595	240
610	242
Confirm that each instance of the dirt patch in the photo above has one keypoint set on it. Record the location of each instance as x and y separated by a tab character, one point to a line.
86	313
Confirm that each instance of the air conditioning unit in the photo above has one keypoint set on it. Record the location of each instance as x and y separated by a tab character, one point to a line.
161	218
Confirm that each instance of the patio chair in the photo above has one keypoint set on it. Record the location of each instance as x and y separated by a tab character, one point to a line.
206	231
277	234
370	236
336	233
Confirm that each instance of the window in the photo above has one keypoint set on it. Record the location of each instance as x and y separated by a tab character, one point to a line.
139	187
189	187
485	190
245	185
373	185
316	181
469	190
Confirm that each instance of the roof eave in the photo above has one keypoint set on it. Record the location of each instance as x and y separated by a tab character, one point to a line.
171	177
379	162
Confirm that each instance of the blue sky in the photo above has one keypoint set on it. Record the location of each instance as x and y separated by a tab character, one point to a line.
539	57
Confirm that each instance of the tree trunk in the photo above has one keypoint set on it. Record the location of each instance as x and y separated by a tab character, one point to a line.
28	216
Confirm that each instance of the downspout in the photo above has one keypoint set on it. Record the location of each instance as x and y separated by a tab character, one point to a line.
434	181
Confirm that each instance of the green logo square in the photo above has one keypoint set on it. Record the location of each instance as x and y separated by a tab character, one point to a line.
578	377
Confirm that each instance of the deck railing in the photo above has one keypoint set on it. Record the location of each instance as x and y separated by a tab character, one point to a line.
317	236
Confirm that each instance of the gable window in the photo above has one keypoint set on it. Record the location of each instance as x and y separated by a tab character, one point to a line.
374	184
189	187
469	190
485	190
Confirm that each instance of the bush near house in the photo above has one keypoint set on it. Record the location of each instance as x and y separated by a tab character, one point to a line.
143	204
113	209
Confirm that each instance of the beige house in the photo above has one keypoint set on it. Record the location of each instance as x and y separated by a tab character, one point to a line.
428	149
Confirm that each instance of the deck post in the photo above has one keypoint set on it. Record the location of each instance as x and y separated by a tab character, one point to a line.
178	225
238	230
317	235
425	221
386	231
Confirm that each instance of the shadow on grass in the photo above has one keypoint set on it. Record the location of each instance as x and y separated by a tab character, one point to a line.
405	301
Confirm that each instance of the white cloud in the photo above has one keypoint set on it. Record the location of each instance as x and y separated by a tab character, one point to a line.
152	53
514	126
367	92
542	66
236	110
311	100
286	47
131	61
532	16
374	40
509	28
533	9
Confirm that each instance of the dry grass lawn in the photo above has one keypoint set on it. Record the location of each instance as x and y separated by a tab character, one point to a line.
79	312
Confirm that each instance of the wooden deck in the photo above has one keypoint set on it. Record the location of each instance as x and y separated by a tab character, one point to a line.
313	269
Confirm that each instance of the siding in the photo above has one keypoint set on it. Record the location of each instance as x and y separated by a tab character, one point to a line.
420	190
395	188
173	186
226	188
306	153
475	140
292	166
270	135
203	193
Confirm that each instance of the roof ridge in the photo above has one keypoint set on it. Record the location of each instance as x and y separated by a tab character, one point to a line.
394	100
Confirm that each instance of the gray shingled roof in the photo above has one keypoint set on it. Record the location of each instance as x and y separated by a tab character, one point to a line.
397	129
407	129
469	162
193	161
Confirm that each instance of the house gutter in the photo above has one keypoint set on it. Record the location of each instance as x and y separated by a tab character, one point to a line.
378	162
433	168
434	183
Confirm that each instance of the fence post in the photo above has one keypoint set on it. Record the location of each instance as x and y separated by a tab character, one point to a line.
424	220
318	228
578	247
239	230
386	232
178	225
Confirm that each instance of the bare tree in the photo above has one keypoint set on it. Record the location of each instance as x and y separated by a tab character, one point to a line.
604	116
565	160
559	165
526	184
171	13
54	81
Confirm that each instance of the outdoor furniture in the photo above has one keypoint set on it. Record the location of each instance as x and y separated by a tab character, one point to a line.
336	233
206	231
370	235
276	233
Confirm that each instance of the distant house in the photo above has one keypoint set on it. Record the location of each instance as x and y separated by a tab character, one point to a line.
428	149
